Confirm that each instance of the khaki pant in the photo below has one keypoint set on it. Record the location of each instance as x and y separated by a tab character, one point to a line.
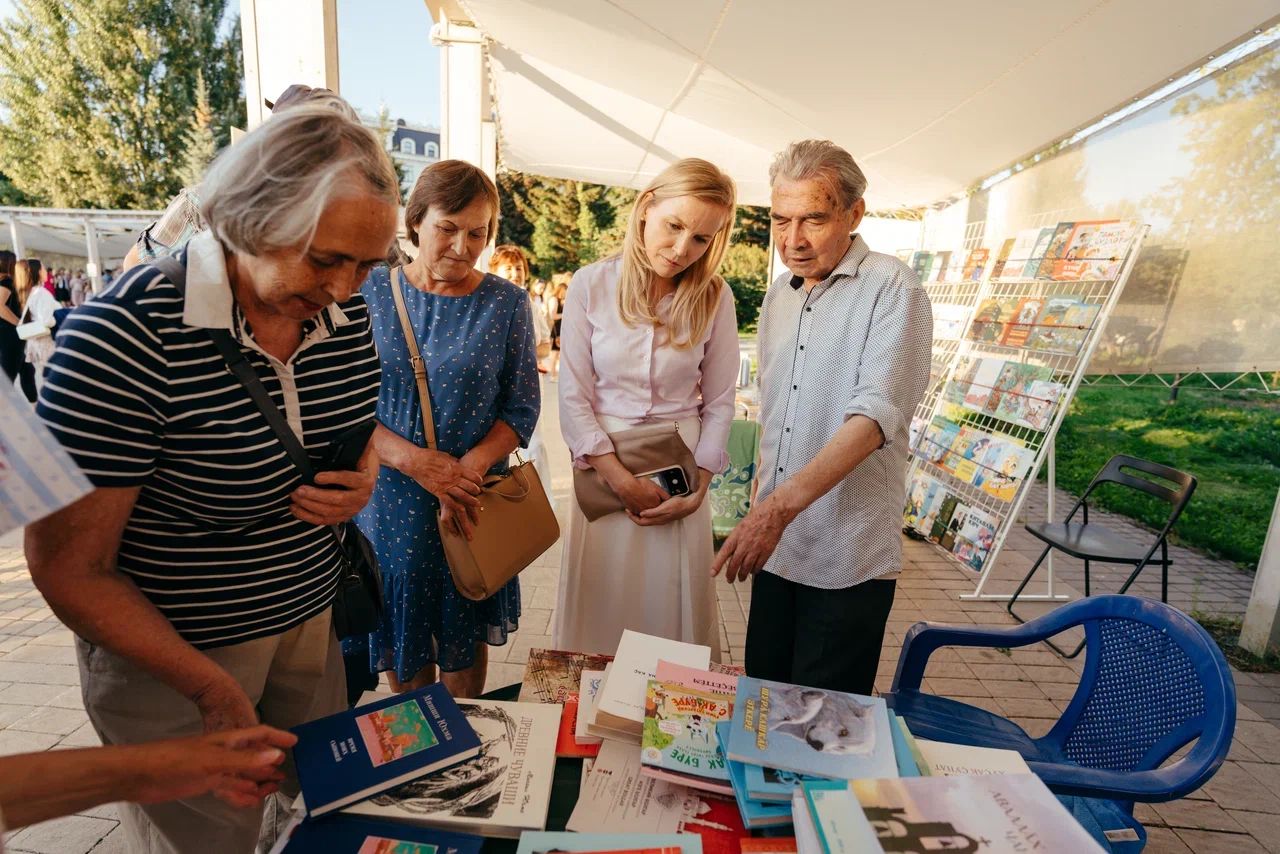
291	678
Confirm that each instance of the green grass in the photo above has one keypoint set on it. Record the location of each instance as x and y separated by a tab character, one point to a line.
1229	440
1226	632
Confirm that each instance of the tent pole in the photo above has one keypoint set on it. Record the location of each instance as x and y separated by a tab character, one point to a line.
94	267
15	237
1261	630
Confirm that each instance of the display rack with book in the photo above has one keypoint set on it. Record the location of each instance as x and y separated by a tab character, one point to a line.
988	422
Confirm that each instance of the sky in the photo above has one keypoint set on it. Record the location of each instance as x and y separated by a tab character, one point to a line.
385	55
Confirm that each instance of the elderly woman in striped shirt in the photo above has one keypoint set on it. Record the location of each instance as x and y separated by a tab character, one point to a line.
198	575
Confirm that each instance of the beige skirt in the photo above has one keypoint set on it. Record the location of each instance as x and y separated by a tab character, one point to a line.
616	575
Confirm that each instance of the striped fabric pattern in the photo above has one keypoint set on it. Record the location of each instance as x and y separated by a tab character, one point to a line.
141	400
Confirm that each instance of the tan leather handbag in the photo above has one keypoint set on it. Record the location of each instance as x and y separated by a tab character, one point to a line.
647	448
516	521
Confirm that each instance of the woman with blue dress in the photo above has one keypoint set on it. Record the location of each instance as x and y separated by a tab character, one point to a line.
475	333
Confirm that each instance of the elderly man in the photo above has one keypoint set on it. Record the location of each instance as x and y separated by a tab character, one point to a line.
844	360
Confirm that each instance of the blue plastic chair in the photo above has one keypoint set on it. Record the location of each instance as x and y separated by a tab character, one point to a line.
1154	681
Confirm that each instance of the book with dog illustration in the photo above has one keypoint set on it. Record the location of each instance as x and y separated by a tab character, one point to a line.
811	731
347	757
679	735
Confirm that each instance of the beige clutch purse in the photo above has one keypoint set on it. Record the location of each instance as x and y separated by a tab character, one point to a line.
647	448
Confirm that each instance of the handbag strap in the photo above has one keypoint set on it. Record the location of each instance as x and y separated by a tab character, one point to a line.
176	272
415	360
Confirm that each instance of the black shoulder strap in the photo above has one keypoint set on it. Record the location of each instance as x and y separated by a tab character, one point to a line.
176	272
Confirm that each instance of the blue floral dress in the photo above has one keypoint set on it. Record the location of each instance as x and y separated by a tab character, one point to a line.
482	368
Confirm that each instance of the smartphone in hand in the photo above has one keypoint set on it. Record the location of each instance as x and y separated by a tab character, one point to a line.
671	479
344	452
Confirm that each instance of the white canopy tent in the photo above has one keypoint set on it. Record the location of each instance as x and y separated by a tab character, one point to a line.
98	236
929	97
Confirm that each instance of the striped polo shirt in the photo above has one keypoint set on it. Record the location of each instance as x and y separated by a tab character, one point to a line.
140	397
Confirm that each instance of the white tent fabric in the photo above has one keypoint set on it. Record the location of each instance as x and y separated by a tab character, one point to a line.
62	231
930	97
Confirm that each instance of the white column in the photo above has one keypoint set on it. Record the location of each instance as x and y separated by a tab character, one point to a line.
15	237
286	42
94	267
466	130
1261	629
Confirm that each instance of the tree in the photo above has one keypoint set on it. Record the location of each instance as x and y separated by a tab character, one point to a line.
751	225
201	146
90	90
746	270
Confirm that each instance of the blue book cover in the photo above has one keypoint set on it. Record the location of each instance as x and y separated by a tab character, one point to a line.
901	750
770	784
754	813
352	755
341	834
811	731
538	842
837	815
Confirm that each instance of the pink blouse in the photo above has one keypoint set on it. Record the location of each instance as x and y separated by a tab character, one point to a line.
631	372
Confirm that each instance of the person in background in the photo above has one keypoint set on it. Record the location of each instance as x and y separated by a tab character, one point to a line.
508	262
38	306
198	576
555	294
10	312
79	288
650	335
844	345
182	219
62	286
475	334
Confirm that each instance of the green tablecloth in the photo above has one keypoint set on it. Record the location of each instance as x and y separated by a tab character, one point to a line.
564	785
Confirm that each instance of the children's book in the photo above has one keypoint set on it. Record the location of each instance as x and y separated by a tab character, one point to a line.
1011	388
975	264
1002	258
1054	251
678	742
1095	250
946	510
588	696
917	491
349	756
974	539
1063	326
810	731
502	792
1005	465
1052	315
938	439
838	818
620	712
1022	323
949	760
949	320
544	842
1022	254
770	784
344	834
982	383
989	320
754	813
920	263
555	676
941	262
932	506
998	813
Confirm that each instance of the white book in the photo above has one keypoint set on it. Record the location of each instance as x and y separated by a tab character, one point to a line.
621	706
37	477
617	798
502	792
588	698
807	841
950	760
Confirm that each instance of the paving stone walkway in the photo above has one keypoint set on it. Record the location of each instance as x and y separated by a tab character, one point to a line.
1237	812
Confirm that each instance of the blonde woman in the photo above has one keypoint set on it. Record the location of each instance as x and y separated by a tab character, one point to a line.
649	336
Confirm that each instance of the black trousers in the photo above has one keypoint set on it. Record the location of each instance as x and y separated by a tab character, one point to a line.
819	638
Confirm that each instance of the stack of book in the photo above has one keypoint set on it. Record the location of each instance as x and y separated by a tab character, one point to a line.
423	760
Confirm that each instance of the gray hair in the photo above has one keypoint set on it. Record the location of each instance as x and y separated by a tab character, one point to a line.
267	191
820	158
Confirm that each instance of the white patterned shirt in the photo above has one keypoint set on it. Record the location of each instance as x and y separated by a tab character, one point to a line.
857	344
